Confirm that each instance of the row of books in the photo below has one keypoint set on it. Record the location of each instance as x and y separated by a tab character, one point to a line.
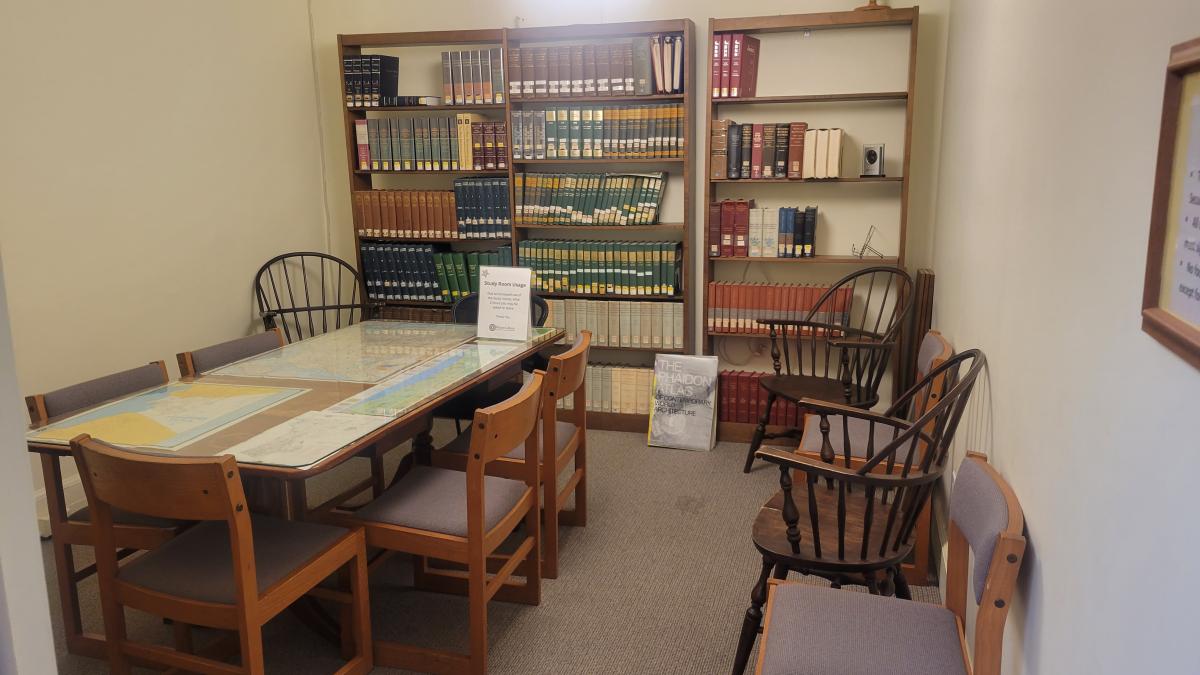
736	307
461	142
369	79
588	198
609	132
473	76
420	272
782	151
736	228
620	323
644	66
604	267
477	208
740	398
422	314
616	389
734	65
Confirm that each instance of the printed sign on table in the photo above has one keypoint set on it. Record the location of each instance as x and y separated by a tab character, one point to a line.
683	412
504	311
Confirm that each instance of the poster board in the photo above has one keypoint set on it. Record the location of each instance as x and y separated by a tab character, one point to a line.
504	309
683	412
1171	296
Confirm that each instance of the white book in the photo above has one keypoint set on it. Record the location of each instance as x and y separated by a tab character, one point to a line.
770	222
677	311
614	388
645	377
755	245
606	397
626	340
668	324
648	323
656	324
635	324
600	337
810	154
569	321
614	324
834	169
677	70
822	159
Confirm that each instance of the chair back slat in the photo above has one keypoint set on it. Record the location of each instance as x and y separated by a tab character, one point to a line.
309	293
499	428
181	488
212	357
87	394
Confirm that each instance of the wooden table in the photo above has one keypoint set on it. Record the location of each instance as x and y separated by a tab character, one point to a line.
387	375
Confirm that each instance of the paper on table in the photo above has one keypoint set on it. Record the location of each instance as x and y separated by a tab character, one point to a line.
306	438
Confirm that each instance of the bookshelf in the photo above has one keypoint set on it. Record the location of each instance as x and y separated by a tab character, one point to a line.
813	88
419	53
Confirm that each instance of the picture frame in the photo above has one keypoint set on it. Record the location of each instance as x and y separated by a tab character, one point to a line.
1171	296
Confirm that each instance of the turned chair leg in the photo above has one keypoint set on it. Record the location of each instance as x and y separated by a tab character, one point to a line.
753	621
759	432
902	590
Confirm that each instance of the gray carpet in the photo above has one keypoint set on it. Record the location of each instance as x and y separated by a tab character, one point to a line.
657	582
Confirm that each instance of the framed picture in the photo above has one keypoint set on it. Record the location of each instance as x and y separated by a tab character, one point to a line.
1171	298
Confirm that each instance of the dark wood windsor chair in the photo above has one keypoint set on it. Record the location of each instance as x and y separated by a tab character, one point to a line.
841	348
306	294
854	519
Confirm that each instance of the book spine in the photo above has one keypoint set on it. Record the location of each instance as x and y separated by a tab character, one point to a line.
497	61
734	150
735	63
756	150
726	44
749	69
362	140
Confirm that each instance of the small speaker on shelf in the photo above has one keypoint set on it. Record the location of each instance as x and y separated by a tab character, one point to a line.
872	161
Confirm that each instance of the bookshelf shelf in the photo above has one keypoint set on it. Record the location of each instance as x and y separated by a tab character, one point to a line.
611	296
453	172
826	259
888	103
562	100
430	108
436	240
606	160
812	181
816	98
652	350
604	228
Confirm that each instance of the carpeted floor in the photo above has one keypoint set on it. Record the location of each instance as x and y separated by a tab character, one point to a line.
657	582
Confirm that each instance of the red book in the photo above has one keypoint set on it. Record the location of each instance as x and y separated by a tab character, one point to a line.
714	230
725	45
741	224
728	396
748	70
727	226
762	400
735	63
364	147
756	151
715	67
795	150
743	396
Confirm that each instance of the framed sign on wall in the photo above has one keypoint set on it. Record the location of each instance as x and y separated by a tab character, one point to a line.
1171	298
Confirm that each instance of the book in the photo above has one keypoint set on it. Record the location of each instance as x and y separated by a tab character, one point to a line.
748	68
734	151
726	44
515	83
756	151
821	155
767	170
834	166
747	150
810	153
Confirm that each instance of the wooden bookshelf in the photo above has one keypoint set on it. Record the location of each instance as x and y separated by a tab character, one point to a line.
884	101
679	170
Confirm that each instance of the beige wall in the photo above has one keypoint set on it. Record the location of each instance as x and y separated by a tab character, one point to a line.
154	155
1049	139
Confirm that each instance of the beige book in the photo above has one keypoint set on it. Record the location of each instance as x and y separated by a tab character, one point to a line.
614	323
626	340
569	321
555	320
822	158
645	380
834	169
615	389
629	390
600	337
592	316
593	388
635	324
668	324
677	332
606	397
656	324
647	326
810	154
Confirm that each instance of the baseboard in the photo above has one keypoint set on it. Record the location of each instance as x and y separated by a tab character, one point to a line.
75	498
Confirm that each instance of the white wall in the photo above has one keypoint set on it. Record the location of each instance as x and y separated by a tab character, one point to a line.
1050	130
154	155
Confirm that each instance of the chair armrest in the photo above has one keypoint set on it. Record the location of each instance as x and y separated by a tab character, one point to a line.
818	468
832	328
829	407
862	344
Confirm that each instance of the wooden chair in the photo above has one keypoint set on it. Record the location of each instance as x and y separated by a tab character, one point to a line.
462	518
568	437
913	637
132	532
842	346
203	360
306	294
232	571
818	436
855	525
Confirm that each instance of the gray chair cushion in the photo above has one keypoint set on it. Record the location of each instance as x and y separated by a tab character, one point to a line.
823	631
198	564
977	506
120	517
859	430
563	431
429	498
225	353
87	394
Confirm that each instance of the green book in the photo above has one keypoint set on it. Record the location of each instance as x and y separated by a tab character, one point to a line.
460	271
473	271
406	144
564	133
373	142
443	285
451	278
449	159
576	146
551	133
455	151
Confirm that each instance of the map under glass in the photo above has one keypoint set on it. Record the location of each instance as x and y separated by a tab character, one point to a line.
166	417
366	352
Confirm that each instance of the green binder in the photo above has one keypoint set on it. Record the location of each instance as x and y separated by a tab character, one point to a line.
473	271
